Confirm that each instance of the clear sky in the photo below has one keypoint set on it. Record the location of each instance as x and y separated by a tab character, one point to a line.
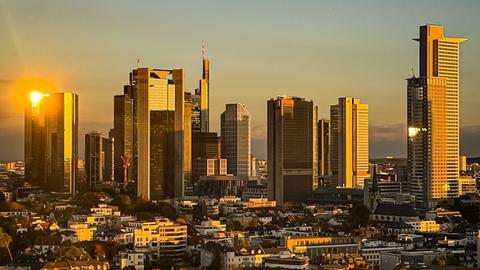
319	50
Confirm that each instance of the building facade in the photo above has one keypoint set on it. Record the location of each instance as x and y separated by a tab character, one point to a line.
349	142
51	141
158	132
94	159
433	118
123	135
292	149
235	139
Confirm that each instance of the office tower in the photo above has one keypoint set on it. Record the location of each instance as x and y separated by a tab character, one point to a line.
94	159
51	141
349	142
205	146
440	57
292	149
323	147
187	161
438	84
204	92
427	132
123	135
201	98
35	139
158	132
235	137
109	150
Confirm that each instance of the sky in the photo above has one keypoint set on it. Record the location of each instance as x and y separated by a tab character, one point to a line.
319	50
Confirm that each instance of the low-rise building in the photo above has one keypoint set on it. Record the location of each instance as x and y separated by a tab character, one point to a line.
371	250
131	258
162	238
286	260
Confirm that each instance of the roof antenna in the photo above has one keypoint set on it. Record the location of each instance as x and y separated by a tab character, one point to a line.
413	73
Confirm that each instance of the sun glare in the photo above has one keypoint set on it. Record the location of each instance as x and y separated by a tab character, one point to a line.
35	97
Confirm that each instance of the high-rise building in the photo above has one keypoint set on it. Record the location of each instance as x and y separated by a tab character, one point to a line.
433	110
158	132
94	159
51	141
323	147
427	170
235	136
205	146
292	149
109	150
201	98
123	135
204	92
187	160
349	142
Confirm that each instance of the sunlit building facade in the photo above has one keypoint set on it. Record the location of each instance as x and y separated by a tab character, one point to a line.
158	132
437	90
349	142
51	141
235	139
292	149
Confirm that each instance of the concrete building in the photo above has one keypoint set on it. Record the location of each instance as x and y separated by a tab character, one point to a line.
163	238
349	142
292	149
235	139
467	185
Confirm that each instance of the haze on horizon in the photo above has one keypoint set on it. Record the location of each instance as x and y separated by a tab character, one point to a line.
258	50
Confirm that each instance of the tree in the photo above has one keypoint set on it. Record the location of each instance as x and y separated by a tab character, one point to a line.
5	240
122	201
70	252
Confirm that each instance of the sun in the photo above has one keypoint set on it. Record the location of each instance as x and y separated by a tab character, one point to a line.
35	97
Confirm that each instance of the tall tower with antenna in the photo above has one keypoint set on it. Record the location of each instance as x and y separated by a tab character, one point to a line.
204	92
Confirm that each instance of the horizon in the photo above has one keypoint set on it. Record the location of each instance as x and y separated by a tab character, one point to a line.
332	52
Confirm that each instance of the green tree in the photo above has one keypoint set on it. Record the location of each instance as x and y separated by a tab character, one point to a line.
122	201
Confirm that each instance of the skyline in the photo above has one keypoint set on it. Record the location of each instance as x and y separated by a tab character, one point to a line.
231	81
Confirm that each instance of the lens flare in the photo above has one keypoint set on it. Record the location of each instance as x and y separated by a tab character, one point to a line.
413	131
35	97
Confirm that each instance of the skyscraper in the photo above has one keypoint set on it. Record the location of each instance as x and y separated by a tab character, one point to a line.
158	132
205	146
323	147
427	132
292	149
204	92
123	136
94	159
51	140
201	98
235	128
109	150
187	161
439	59
349	142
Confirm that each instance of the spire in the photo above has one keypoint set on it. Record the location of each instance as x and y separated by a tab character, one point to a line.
203	50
